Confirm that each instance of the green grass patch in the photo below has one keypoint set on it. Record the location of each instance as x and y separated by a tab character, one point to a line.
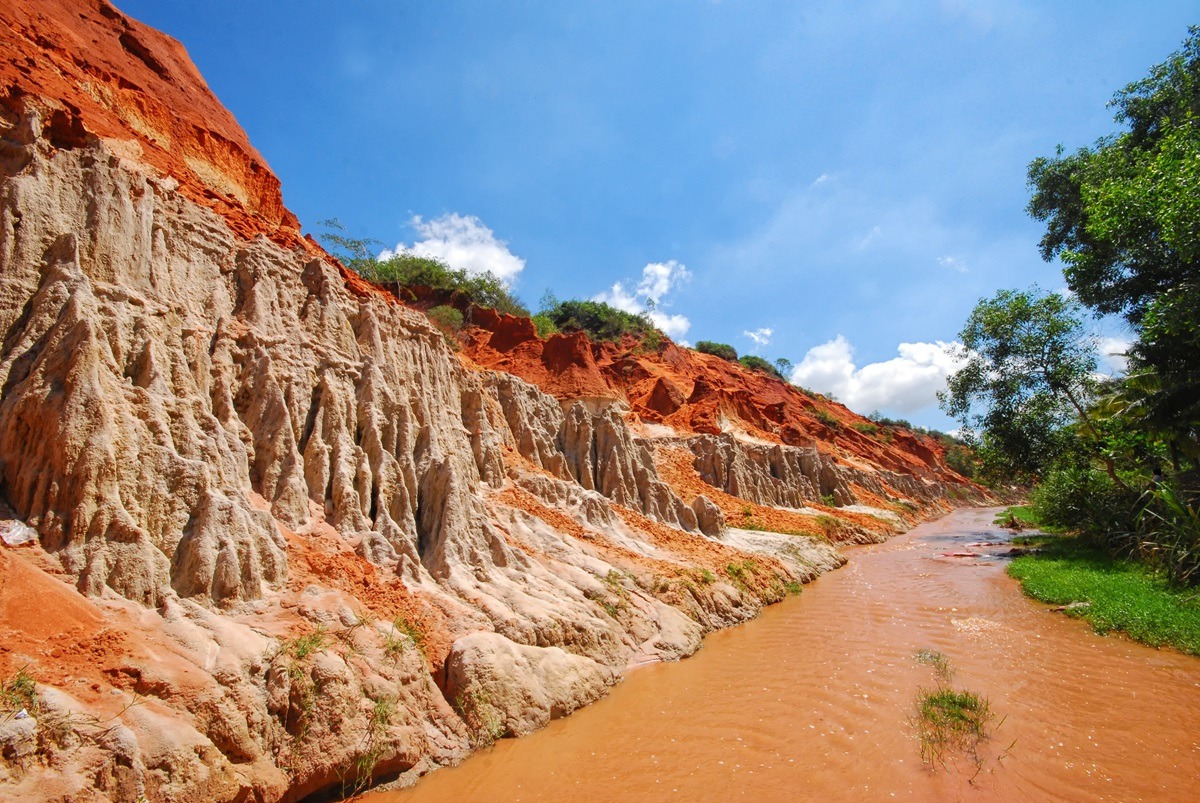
1123	596
1026	518
951	720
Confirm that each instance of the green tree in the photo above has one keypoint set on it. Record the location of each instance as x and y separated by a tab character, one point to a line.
1026	376
1124	215
722	350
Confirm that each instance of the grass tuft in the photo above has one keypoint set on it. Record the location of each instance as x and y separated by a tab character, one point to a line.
16	693
951	720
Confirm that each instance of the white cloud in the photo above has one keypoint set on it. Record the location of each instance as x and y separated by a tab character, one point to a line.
673	326
658	278
870	237
462	241
620	298
904	384
1112	353
760	336
953	263
819	180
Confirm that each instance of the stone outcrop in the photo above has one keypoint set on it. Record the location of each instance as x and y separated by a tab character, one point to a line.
270	536
508	689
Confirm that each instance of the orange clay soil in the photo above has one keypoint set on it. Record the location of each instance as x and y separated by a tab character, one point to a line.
94	72
690	392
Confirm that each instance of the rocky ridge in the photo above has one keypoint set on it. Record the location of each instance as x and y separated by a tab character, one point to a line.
288	541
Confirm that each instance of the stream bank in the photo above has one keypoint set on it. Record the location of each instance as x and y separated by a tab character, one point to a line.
814	699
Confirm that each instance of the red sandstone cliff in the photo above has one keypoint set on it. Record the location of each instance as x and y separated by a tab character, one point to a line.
265	535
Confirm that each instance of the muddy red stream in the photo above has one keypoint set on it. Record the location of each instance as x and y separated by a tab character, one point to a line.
814	700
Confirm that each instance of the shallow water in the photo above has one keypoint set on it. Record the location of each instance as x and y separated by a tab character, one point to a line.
813	700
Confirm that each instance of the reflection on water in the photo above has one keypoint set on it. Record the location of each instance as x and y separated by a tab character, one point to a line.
812	701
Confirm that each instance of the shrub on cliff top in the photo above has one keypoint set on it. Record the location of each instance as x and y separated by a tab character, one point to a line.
722	350
600	321
759	364
485	289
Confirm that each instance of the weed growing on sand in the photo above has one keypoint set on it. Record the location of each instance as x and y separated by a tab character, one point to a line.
484	721
299	650
793	587
741	573
617	597
16	693
302	647
950	721
378	720
403	634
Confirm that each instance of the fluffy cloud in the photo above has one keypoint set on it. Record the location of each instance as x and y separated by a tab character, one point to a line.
1112	353
658	278
462	241
904	384
760	336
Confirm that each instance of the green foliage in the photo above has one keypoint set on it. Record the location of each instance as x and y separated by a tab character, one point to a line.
866	427
962	459
826	418
17	692
302	647
1168	536
600	321
410	270
742	573
1077	496
1024	517
484	721
1123	216
544	325
793	587
449	322
755	363
784	366
938	661
404	634
722	350
884	421
950	720
1118	594
1025	373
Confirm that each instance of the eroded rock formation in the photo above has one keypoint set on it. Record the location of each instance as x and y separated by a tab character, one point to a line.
287	540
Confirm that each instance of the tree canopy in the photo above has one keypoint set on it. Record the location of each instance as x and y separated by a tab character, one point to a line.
1026	372
1124	215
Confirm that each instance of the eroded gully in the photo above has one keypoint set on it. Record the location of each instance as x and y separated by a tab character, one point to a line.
813	700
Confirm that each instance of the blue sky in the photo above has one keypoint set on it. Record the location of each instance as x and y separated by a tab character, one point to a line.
848	176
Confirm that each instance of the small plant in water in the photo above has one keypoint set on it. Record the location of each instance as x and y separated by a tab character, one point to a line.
950	721
940	663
